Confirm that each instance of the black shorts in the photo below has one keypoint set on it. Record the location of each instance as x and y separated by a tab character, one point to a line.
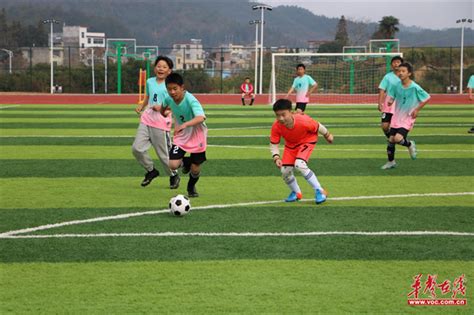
387	117
301	106
402	131
176	153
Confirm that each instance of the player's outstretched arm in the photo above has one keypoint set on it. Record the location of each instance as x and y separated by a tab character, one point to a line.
291	90
141	105
325	132
381	99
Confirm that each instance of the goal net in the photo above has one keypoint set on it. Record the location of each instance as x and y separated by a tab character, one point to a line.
343	78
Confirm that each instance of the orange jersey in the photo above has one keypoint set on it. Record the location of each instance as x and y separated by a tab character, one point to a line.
305	130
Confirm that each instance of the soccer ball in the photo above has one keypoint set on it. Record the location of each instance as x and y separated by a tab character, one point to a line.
179	205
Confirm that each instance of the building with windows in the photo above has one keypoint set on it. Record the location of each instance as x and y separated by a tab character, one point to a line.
188	55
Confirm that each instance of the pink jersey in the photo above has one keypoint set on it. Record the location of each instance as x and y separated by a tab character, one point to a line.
385	107
156	93
192	139
154	119
408	99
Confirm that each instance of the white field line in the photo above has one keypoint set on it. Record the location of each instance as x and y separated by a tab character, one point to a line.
325	149
224	136
221	206
246	234
9	106
350	125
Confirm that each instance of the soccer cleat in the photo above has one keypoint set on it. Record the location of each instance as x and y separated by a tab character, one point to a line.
149	176
389	165
320	196
412	150
186	165
174	181
192	193
294	197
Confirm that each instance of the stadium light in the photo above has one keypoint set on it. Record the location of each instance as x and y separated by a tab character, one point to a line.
256	22
262	8
461	64
10	56
51	22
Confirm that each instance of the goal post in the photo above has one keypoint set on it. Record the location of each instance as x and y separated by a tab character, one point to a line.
342	78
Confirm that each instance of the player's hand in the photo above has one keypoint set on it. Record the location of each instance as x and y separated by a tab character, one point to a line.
380	106
178	128
414	113
329	137
165	111
287	96
139	109
278	162
156	108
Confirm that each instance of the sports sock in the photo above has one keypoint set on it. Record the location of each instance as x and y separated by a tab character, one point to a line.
391	152
308	174
290	179
251	102
243	101
405	142
193	179
387	133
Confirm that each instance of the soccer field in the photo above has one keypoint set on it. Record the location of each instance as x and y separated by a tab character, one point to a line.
78	234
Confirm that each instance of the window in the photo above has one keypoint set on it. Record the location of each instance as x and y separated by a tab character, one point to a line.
88	40
82	34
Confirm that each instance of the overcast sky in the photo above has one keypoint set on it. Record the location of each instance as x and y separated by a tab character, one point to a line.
437	14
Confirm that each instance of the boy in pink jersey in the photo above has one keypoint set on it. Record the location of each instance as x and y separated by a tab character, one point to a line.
190	131
154	129
300	133
389	81
304	85
409	99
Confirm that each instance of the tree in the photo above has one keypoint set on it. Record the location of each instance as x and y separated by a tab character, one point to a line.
341	34
387	28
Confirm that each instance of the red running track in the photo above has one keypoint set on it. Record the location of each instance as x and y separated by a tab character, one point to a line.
206	99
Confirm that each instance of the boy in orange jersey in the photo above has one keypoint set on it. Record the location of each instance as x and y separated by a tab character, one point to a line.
300	133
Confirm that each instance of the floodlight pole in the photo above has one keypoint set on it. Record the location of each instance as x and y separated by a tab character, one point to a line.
93	74
262	8
461	65
51	22
256	22
10	56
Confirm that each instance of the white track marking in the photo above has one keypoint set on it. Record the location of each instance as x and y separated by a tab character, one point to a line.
9	106
222	206
246	234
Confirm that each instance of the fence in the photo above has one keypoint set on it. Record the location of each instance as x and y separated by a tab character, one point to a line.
206	70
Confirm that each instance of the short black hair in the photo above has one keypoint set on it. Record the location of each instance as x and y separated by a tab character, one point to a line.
397	58
174	78
300	65
282	104
168	61
407	65
246	78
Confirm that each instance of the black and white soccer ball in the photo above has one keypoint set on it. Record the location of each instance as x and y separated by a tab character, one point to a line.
179	205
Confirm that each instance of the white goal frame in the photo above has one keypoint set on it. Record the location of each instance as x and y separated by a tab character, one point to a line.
350	55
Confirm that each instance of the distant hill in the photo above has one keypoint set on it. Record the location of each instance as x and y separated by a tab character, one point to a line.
164	22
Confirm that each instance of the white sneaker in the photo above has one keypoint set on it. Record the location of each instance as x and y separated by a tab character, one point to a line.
389	165
412	150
